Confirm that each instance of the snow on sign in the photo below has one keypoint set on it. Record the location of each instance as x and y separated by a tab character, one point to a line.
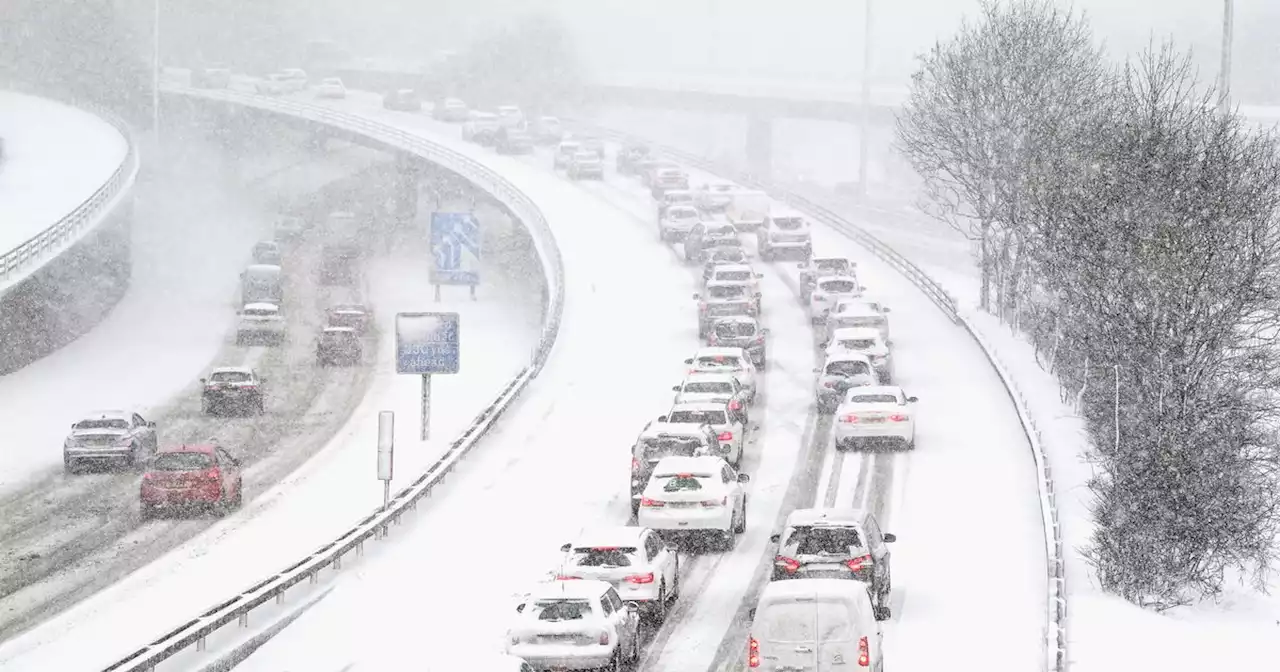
427	343
455	247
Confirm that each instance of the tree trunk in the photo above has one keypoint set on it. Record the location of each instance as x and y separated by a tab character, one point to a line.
984	263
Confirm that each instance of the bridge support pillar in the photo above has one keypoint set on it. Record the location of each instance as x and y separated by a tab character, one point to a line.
760	146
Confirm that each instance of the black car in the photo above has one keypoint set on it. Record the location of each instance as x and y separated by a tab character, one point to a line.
353	315
233	389
836	544
339	346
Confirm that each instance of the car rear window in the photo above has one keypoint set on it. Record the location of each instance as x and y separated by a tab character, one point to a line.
724	253
832	265
838	286
562	610
181	462
727	292
261	312
788	223
824	540
603	557
725	230
858	343
733	276
722	188
708	387
735	329
796	622
682	483
682	213
848	368
103	423
719	362
230	377
698	417
670	446
873	399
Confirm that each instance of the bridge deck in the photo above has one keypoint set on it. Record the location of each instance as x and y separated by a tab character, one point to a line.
55	157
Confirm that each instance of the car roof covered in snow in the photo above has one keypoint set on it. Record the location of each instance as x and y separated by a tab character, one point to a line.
232	369
108	414
700	406
578	589
709	377
609	537
261	305
876	389
339	330
656	429
855	333
734	268
719	352
679	464
846	356
826	515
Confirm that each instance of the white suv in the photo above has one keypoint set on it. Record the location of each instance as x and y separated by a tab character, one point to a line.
784	231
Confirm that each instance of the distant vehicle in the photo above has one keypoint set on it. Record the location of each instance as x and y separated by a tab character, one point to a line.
210	78
593	145
741	274
822	267
741	331
403	100
267	252
676	222
564	153
855	314
866	341
262	283
700	496
295	79
548	130
635	560
109	437
352	315
784	231
728	418
585	164
668	178
773	635
331	87
512	140
340	264
510	116
876	414
271	85
704	235
629	156
726	360
651	167
191	475
747	210
339	346
233	389
672	197
828	292
716	195
831	543
664	439
289	228
720	299
261	323
841	372
722	254
703	386
451	110
576	625
481	128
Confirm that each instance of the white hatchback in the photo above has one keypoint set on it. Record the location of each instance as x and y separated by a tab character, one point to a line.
575	625
876	414
634	560
696	495
866	341
726	360
828	292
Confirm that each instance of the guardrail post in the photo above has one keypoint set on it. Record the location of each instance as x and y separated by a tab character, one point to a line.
315	578
360	550
280	597
244	620
201	644
337	561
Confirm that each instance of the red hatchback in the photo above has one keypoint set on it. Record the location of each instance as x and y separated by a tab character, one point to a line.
204	475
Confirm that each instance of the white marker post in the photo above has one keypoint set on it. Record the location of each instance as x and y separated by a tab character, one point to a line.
426	405
386	453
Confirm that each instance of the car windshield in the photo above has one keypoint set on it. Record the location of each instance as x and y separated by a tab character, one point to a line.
338	336
718	362
848	368
683	483
861	321
678	197
858	343
570	149
682	213
734	276
838	286
722	188
806	622
873	399
230	377
729	242
603	557
735	330
823	540
260	312
103	423
698	417
708	387
670	446
788	223
561	610
181	462
726	253
727	292
831	265
722	230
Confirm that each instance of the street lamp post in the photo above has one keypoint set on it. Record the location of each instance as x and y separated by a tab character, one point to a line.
155	70
865	132
1224	75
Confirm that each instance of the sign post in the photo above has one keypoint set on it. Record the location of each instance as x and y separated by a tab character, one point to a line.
386	453
455	250
426	344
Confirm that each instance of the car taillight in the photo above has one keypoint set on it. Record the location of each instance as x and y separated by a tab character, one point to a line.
564	577
148	476
753	652
896	417
604	638
733	406
635	466
791	565
640	578
830	384
702	307
124	441
860	563
652	503
213	473
709	503
849	418
725	436
864	653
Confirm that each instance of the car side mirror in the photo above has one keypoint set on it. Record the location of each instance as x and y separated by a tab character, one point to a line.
688	361
662	418
775	538
751	613
886	309
697	296
889	537
759	295
675	388
520	608
802	265
262	380
633	607
912	400
817	370
151	423
203	381
565	548
824	344
743	478
73	425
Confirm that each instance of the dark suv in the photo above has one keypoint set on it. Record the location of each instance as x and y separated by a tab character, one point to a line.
339	346
665	439
836	544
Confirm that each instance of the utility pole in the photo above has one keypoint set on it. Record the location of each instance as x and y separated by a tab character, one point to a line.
155	71
865	132
1224	75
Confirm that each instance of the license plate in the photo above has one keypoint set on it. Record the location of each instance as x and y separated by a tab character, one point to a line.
827	567
682	505
873	419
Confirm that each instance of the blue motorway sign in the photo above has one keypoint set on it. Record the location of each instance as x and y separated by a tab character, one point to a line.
427	343
455	248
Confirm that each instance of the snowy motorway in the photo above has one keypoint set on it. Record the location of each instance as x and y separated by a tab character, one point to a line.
969	560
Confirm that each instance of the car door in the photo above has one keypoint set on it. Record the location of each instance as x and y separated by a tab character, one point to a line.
660	558
731	485
145	433
879	549
231	467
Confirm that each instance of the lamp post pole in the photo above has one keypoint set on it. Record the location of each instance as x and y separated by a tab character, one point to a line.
1224	75
865	131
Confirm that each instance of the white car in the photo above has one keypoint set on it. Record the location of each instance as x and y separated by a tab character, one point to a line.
858	314
862	302
575	625
696	495
720	387
876	414
634	560
260	322
736	273
331	87
866	341
828	292
450	110
564	153
838	374
510	116
676	222
715	195
481	127
726	360
730	424
271	85
784	231
295	79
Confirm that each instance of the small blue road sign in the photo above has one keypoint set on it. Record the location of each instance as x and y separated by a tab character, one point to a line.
455	247
427	343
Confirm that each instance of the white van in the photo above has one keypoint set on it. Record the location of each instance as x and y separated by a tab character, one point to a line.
824	625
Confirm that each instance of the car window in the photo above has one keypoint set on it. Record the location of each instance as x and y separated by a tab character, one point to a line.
726	291
735	329
653	450
823	540
873	530
832	265
683	482
788	622
561	610
838	286
873	399
734	276
103	423
606	606
708	387
710	417
788	223
138	421
230	377
726	474
260	312
603	557
182	462
726	362
611	596
848	368
858	343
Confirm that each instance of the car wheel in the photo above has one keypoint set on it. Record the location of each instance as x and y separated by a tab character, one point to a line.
658	610
146	512
635	511
742	520
70	468
728	539
239	500
240	339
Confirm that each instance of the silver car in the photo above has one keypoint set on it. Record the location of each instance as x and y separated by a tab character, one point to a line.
834	543
109	437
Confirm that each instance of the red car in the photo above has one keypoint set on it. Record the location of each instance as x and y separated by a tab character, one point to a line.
203	475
